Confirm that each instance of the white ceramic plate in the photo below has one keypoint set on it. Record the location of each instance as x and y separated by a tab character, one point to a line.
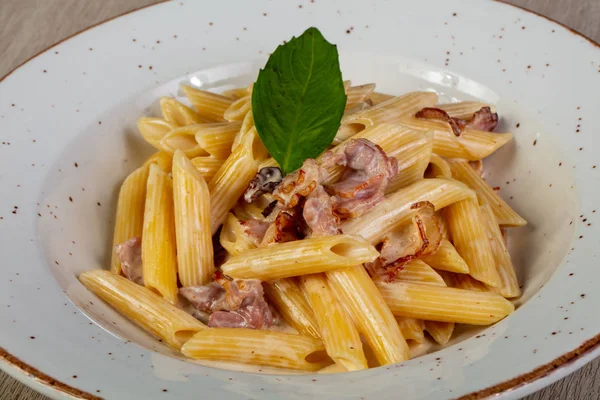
67	139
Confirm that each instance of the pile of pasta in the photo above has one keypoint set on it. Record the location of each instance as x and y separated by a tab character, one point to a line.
342	318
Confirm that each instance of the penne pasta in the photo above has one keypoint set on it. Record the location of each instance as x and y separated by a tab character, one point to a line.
158	237
237	93
446	258
195	256
358	94
419	272
183	139
217	138
341	338
207	166
174	326
260	347
301	257
210	106
509	285
154	130
412	328
332	369
438	167
470	239
355	289
288	299
441	332
505	215
377	97
129	221
463	281
396	210
464	109
269	162
444	304
234	238
163	159
178	114
238	109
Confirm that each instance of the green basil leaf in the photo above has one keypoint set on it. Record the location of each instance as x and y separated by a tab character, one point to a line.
298	99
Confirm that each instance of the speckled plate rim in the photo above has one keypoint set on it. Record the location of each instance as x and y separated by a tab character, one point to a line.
516	387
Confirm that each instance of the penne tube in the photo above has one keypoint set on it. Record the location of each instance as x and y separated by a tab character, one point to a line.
184	139
195	256
509	285
471	145
207	166
259	347
234	238
464	109
358	94
154	130
301	257
269	162
443	225
377	97
444	304
232	179
210	106
178	114
163	159
355	289
413	159
419	272
142	306
247	125
441	332
412	328
129	222
341	338
238	109
396	210
463	281
332	369
288	299
438	167
505	215
158	237
446	258
237	93
470	240
217	138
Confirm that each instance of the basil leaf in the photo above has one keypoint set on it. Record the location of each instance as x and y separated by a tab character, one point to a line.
298	99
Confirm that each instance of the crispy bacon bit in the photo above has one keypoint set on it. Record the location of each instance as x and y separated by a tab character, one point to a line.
265	181
418	238
232	304
130	256
456	124
477	167
363	185
484	120
318	214
299	183
288	226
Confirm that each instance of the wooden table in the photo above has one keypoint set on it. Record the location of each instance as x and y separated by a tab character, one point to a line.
29	26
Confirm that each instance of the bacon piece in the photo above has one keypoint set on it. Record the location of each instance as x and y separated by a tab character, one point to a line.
484	120
318	214
265	181
299	183
255	229
363	185
206	297
130	256
288	226
456	124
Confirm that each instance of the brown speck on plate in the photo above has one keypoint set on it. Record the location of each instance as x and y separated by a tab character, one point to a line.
76	165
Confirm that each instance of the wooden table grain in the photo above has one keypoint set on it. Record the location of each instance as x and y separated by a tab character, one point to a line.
29	26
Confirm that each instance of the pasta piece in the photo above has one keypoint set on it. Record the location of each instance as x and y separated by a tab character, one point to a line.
358	94
158	237
232	179
378	98
301	257
195	262
178	114
269	162
506	216
413	159
129	221
151	312
464	109
288	299
471	241
238	109
237	93
419	272
260	347
463	281
154	130
355	289
332	369
438	167
163	159
341	338
396	210
247	125
412	328
443	225
217	138
207	166
210	106
471	145
444	304
441	332
183	139
446	258
509	285
234	238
